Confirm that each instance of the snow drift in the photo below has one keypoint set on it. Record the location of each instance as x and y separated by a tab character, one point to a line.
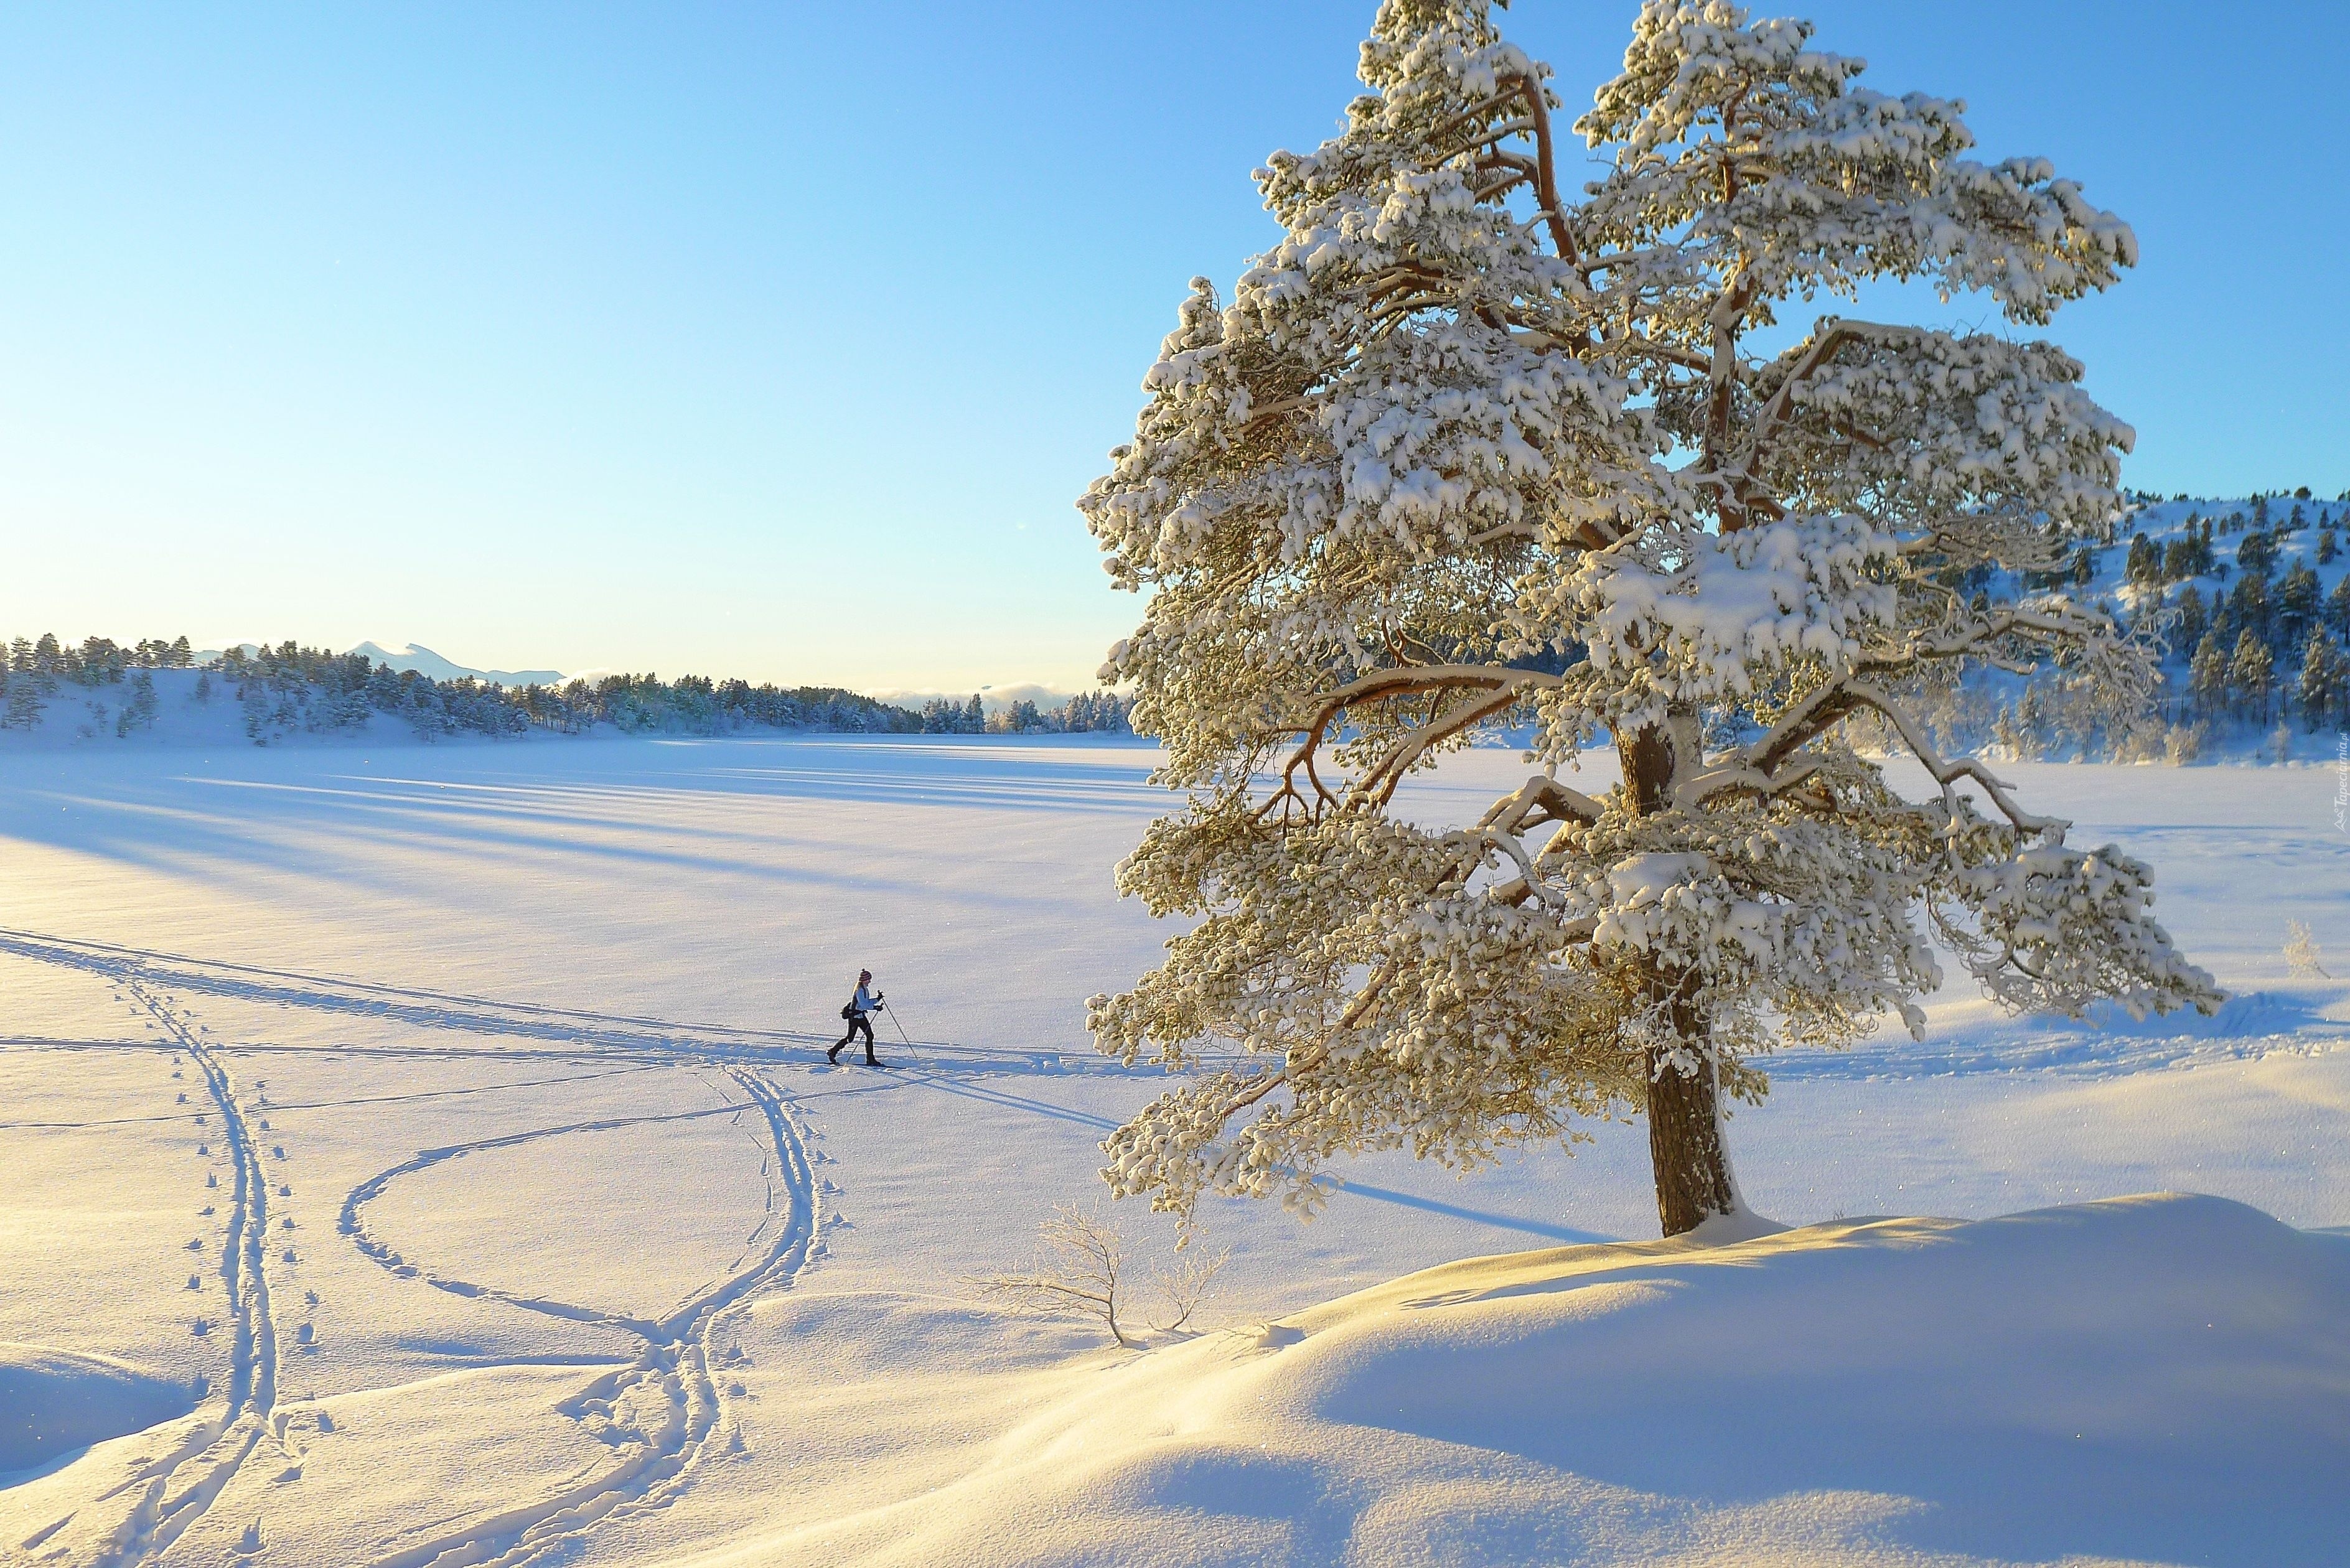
53	1402
2160	1377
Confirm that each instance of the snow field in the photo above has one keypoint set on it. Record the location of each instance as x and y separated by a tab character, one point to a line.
1823	1394
610	1267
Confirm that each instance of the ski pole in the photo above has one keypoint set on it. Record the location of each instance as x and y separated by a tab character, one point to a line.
900	1026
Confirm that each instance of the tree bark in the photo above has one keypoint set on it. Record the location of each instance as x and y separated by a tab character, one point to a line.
1685	1151
1685	1154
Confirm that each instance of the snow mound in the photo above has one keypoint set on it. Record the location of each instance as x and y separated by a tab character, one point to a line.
2155	1377
53	1402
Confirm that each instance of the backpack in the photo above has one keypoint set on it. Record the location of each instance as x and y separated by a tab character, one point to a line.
849	1011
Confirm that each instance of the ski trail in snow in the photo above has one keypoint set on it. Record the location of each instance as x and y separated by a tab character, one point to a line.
664	1410
587	1033
406	1005
177	1488
467	1091
352	1223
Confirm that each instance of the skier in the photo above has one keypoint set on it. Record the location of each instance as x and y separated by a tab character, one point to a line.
863	1003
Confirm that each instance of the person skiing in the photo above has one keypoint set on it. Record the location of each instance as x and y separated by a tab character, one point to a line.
863	1003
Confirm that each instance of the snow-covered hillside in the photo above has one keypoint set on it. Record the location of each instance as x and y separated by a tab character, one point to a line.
2248	594
430	1157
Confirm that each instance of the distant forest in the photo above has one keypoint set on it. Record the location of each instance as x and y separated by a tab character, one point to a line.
289	689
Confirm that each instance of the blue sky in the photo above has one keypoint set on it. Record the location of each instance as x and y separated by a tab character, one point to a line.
776	340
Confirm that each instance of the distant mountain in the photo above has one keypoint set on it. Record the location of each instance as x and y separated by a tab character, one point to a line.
424	661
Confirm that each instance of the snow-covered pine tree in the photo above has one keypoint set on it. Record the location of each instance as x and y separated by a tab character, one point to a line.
2191	619
2207	675
2325	682
1463	452
138	708
2250	672
25	702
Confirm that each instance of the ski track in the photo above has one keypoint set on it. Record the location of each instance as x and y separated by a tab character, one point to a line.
405	1004
671	1377
665	1412
675	1364
176	1489
587	1035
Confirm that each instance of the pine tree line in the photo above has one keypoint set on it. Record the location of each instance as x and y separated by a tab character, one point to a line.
288	688
2267	646
2252	641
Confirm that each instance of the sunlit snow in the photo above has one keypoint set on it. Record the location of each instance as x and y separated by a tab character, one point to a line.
557	1237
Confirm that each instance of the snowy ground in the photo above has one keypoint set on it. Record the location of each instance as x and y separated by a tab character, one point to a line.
466	1097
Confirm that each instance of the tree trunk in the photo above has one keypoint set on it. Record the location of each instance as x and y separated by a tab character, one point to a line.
1685	1153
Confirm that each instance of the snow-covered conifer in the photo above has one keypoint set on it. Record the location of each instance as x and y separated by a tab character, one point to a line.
2191	618
2208	674
2250	672
2325	683
138	708
1467	449
25	701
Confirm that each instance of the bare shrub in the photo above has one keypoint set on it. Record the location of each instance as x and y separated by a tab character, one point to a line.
1082	1270
2301	954
1078	1272
1186	1284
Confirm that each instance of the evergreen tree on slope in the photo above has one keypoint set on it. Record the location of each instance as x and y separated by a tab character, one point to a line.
1459	454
